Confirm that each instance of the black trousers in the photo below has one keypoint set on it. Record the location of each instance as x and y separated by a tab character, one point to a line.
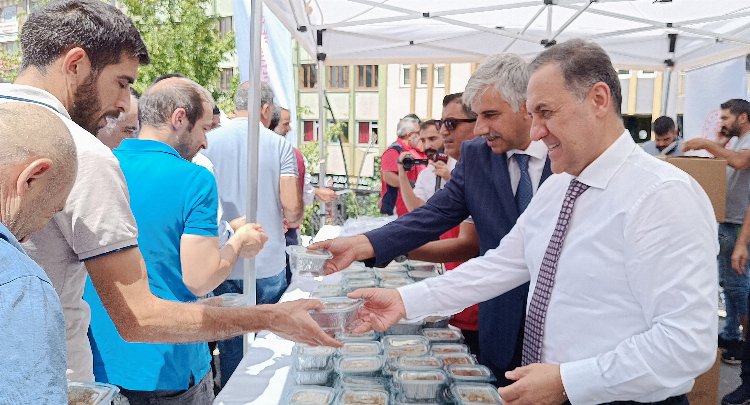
677	400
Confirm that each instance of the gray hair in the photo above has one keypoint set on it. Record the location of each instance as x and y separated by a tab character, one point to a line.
583	64
243	92
406	125
507	73
157	104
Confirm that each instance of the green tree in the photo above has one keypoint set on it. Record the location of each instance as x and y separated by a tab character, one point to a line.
10	61
181	36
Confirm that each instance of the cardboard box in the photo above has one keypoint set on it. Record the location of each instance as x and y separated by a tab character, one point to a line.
711	174
706	388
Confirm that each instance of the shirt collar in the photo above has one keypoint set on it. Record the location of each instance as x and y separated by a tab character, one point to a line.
6	234
146	145
599	172
536	149
22	92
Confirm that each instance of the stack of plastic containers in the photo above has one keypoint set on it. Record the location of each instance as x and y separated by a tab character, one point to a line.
91	393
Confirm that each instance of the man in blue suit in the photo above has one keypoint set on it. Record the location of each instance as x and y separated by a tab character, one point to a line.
493	182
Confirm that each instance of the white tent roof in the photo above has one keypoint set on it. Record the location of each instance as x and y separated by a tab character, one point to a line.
634	32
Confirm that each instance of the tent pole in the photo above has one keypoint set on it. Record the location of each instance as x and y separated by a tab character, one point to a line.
322	131
251	211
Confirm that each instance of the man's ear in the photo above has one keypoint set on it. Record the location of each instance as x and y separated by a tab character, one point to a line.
33	172
76	65
178	118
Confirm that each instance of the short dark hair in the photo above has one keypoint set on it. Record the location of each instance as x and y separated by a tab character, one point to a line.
157	104
275	118
662	125
458	98
583	64
103	31
168	76
135	93
737	106
427	124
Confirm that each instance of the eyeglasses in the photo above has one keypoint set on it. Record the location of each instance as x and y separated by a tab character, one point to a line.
452	123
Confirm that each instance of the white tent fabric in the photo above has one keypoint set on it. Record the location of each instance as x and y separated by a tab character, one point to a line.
636	33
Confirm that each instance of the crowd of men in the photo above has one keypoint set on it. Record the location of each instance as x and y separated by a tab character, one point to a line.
122	211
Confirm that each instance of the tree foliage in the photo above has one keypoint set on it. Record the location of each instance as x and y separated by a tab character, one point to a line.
10	61
181	36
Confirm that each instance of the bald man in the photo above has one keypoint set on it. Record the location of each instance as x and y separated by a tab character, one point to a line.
37	170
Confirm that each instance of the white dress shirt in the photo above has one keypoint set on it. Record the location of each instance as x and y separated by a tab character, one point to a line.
537	152
632	314
424	187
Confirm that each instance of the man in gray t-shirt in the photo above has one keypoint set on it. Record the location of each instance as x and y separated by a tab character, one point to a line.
735	122
666	138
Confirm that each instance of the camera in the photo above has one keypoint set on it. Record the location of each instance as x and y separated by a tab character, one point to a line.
409	161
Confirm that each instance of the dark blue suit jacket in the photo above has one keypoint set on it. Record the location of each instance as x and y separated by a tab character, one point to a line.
480	187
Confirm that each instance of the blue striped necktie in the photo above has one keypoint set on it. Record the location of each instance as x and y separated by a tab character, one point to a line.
525	190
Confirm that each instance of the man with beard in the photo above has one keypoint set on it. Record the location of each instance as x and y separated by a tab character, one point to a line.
37	170
175	203
493	182
84	76
124	126
666	138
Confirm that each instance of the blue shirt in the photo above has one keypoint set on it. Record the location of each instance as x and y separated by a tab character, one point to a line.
32	344
170	197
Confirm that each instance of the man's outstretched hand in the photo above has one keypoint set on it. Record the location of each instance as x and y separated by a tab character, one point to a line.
345	251
382	309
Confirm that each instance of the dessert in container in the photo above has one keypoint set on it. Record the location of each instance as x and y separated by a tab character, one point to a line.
363	382
311	395
475	394
443	348
391	275
443	335
349	396
312	357
398	399
471	373
419	275
418	363
405	345
366	348
358	275
305	261
404	327
364	366
337	315
313	377
351	285
420	384
357	337
328	290
91	393
460	359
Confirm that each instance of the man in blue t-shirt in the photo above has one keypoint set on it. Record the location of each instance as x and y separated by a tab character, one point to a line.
175	205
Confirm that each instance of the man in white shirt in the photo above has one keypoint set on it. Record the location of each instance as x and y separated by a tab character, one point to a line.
617	257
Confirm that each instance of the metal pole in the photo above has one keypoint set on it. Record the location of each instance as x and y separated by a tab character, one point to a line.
322	121
253	132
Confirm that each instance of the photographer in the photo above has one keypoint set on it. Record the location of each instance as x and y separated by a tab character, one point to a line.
428	181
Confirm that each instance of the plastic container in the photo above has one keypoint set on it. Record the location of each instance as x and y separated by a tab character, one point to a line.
443	335
419	275
420	265
420	384
473	373
313	377
436	322
475	394
360	382
351	285
91	393
311	395
360	349
358	275
398	399
350	396
312	357
328	290
405	345
418	363
444	348
405	328
458	359
307	262
365	366
357	337
395	283
391	275
337	315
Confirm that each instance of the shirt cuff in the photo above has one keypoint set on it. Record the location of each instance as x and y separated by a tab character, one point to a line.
583	382
415	304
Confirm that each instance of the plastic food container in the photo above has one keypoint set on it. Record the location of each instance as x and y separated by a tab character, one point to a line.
357	337
418	363
436	322
360	349
420	265
399	399
328	290
91	393
366	366
391	275
444	348
313	377
312	357
305	261
420	385
395	283
350	396
352	285
419	275
311	396
443	335
405	328
458	359
337	315
405	345
358	275
475	394
474	373
361	382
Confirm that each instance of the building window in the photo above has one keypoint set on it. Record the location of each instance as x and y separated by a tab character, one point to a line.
226	79
646	74
367	76
8	14
422	75
623	74
310	129
308	75
367	132
338	77
225	26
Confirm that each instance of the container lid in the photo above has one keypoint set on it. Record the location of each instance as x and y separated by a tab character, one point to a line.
357	337
91	393
301	349
361	283
427	377
475	394
357	381
350	396
333	305
442	335
311	395
450	359
418	363
358	364
358	275
396	283
470	373
360	349
442	348
303	252
421	274
396	341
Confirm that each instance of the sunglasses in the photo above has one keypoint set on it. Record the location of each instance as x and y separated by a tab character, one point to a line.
452	123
